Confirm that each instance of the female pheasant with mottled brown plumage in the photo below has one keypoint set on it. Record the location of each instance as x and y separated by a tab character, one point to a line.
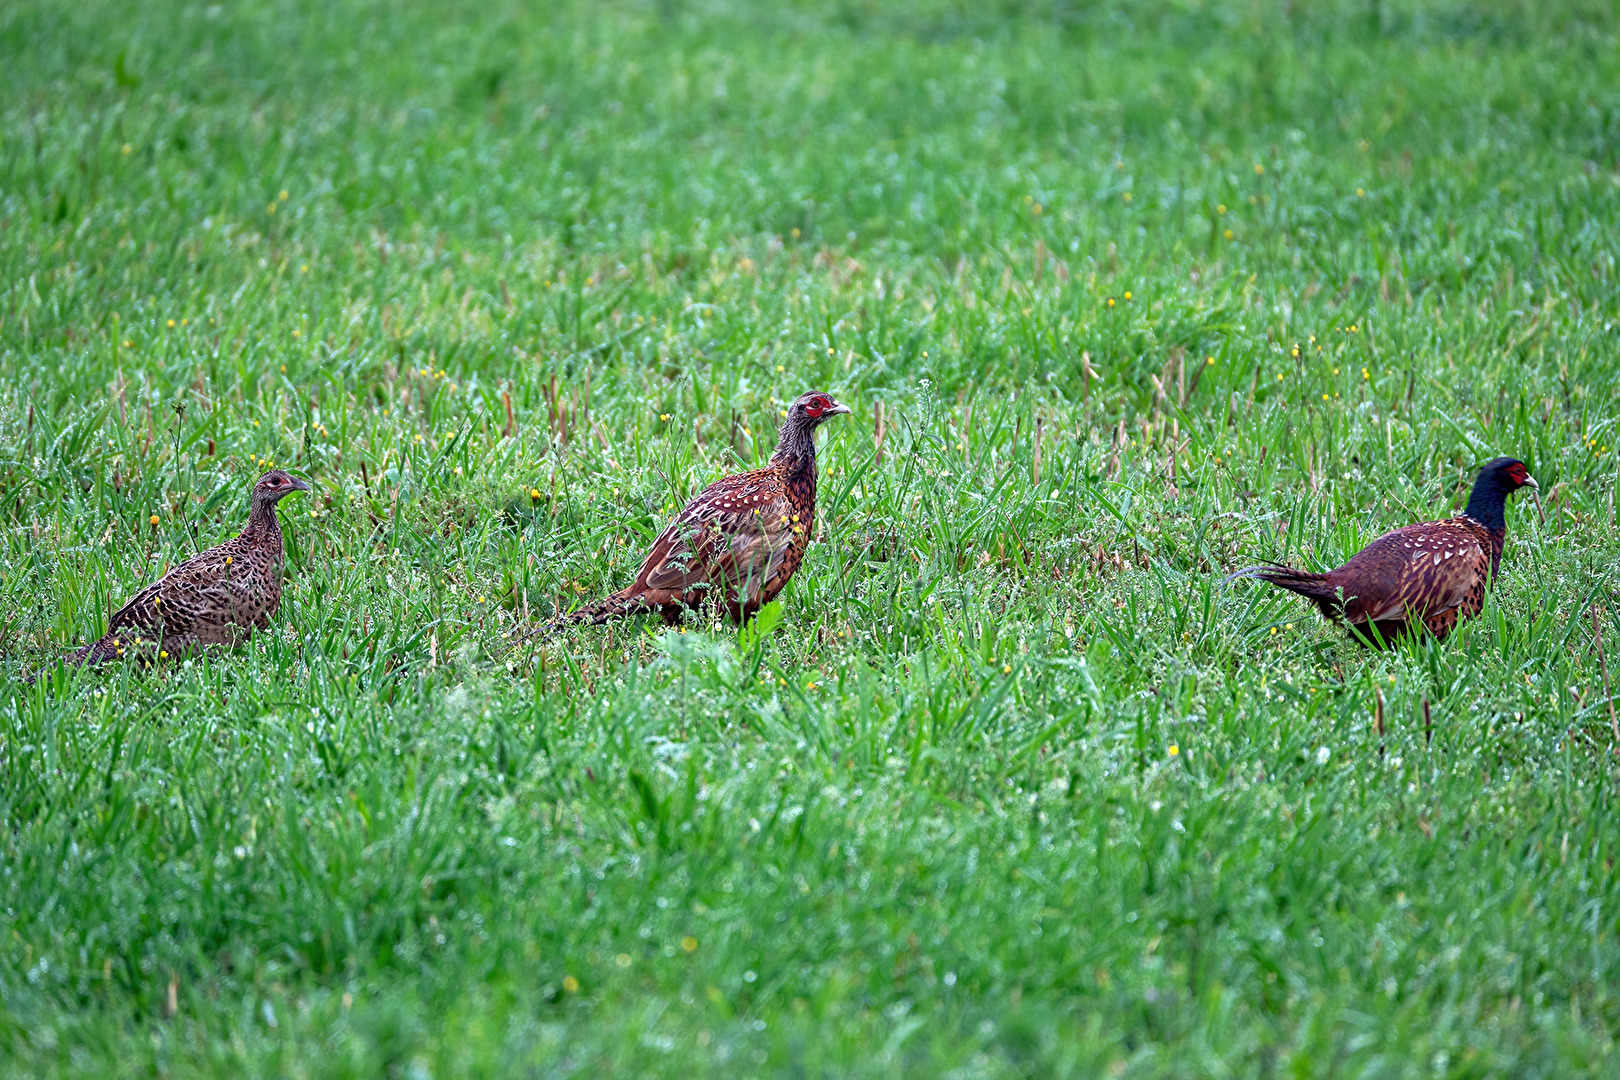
738	542
1428	575
218	597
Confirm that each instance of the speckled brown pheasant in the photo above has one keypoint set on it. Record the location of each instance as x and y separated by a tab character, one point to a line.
738	542
1429	575
218	597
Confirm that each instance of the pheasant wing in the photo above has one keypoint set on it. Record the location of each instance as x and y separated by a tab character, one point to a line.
733	535
182	600
1415	571
140	612
1443	567
758	547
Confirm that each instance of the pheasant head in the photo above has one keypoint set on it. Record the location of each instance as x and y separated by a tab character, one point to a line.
268	490
797	438
1497	480
274	485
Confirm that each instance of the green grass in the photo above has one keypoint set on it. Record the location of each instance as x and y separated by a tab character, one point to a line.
1014	788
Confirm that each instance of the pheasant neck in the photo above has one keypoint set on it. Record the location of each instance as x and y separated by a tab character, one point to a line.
795	446
262	523
795	460
1487	504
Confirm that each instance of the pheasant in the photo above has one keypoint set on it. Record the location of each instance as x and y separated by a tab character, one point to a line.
737	543
1429	575
217	597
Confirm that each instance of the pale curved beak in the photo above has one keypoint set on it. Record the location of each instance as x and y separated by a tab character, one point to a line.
1535	493
298	484
838	408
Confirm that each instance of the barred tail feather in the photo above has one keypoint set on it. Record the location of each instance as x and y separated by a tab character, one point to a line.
1312	586
604	610
97	652
616	606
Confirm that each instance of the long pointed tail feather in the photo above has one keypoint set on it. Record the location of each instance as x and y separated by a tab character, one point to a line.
601	611
97	652
1248	572
1303	582
604	610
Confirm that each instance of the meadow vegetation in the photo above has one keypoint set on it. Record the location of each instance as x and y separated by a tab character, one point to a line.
1124	296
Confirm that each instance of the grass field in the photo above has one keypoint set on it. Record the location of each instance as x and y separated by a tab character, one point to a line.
1142	292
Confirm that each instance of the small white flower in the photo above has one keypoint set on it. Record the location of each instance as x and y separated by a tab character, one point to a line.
1322	756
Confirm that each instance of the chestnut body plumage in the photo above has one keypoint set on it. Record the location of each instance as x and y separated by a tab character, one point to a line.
734	546
1429	575
217	597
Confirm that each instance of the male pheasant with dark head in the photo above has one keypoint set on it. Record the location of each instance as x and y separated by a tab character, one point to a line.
218	597
1428	575
738	542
